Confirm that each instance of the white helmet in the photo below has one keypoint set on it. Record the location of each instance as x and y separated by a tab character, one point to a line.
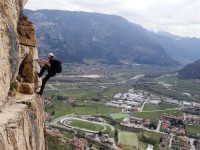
50	55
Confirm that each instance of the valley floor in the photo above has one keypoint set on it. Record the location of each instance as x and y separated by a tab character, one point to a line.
156	103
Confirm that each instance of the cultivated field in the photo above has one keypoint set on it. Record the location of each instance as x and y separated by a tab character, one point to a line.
192	130
118	115
149	107
128	138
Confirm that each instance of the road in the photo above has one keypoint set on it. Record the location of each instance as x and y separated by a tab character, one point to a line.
170	141
141	108
56	89
158	126
184	117
192	146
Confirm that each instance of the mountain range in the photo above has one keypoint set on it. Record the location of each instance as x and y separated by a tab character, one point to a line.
190	71
75	36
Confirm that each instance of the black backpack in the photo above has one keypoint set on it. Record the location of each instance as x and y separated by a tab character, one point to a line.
56	66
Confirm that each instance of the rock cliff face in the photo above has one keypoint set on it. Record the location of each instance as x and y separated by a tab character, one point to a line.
21	110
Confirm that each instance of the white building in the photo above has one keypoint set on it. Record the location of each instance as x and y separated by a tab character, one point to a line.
186	103
149	147
132	103
117	102
154	102
131	91
118	96
132	95
125	106
112	105
187	94
170	101
141	100
196	105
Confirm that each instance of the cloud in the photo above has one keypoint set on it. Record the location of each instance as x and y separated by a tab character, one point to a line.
179	17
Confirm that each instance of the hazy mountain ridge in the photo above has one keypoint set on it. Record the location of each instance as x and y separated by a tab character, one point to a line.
74	36
184	49
190	71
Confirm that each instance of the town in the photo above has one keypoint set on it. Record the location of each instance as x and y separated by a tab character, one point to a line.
172	127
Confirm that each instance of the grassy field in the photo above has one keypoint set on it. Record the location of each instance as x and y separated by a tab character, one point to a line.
178	87
111	91
61	109
149	107
119	115
159	89
150	137
86	108
192	130
154	116
128	138
85	125
183	86
142	145
106	110
88	90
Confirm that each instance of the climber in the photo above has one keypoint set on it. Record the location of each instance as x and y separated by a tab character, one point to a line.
52	65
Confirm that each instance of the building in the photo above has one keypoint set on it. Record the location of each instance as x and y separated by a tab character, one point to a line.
132	96
147	123
118	96
149	147
187	94
132	103
136	120
178	131
112	104
191	110
165	126
131	91
175	143
192	119
186	104
164	142
196	105
79	143
126	120
170	101
154	102
168	117
116	102
141	100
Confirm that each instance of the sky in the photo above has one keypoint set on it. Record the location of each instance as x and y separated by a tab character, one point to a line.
179	17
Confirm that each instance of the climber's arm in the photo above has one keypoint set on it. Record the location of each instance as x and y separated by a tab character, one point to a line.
44	62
